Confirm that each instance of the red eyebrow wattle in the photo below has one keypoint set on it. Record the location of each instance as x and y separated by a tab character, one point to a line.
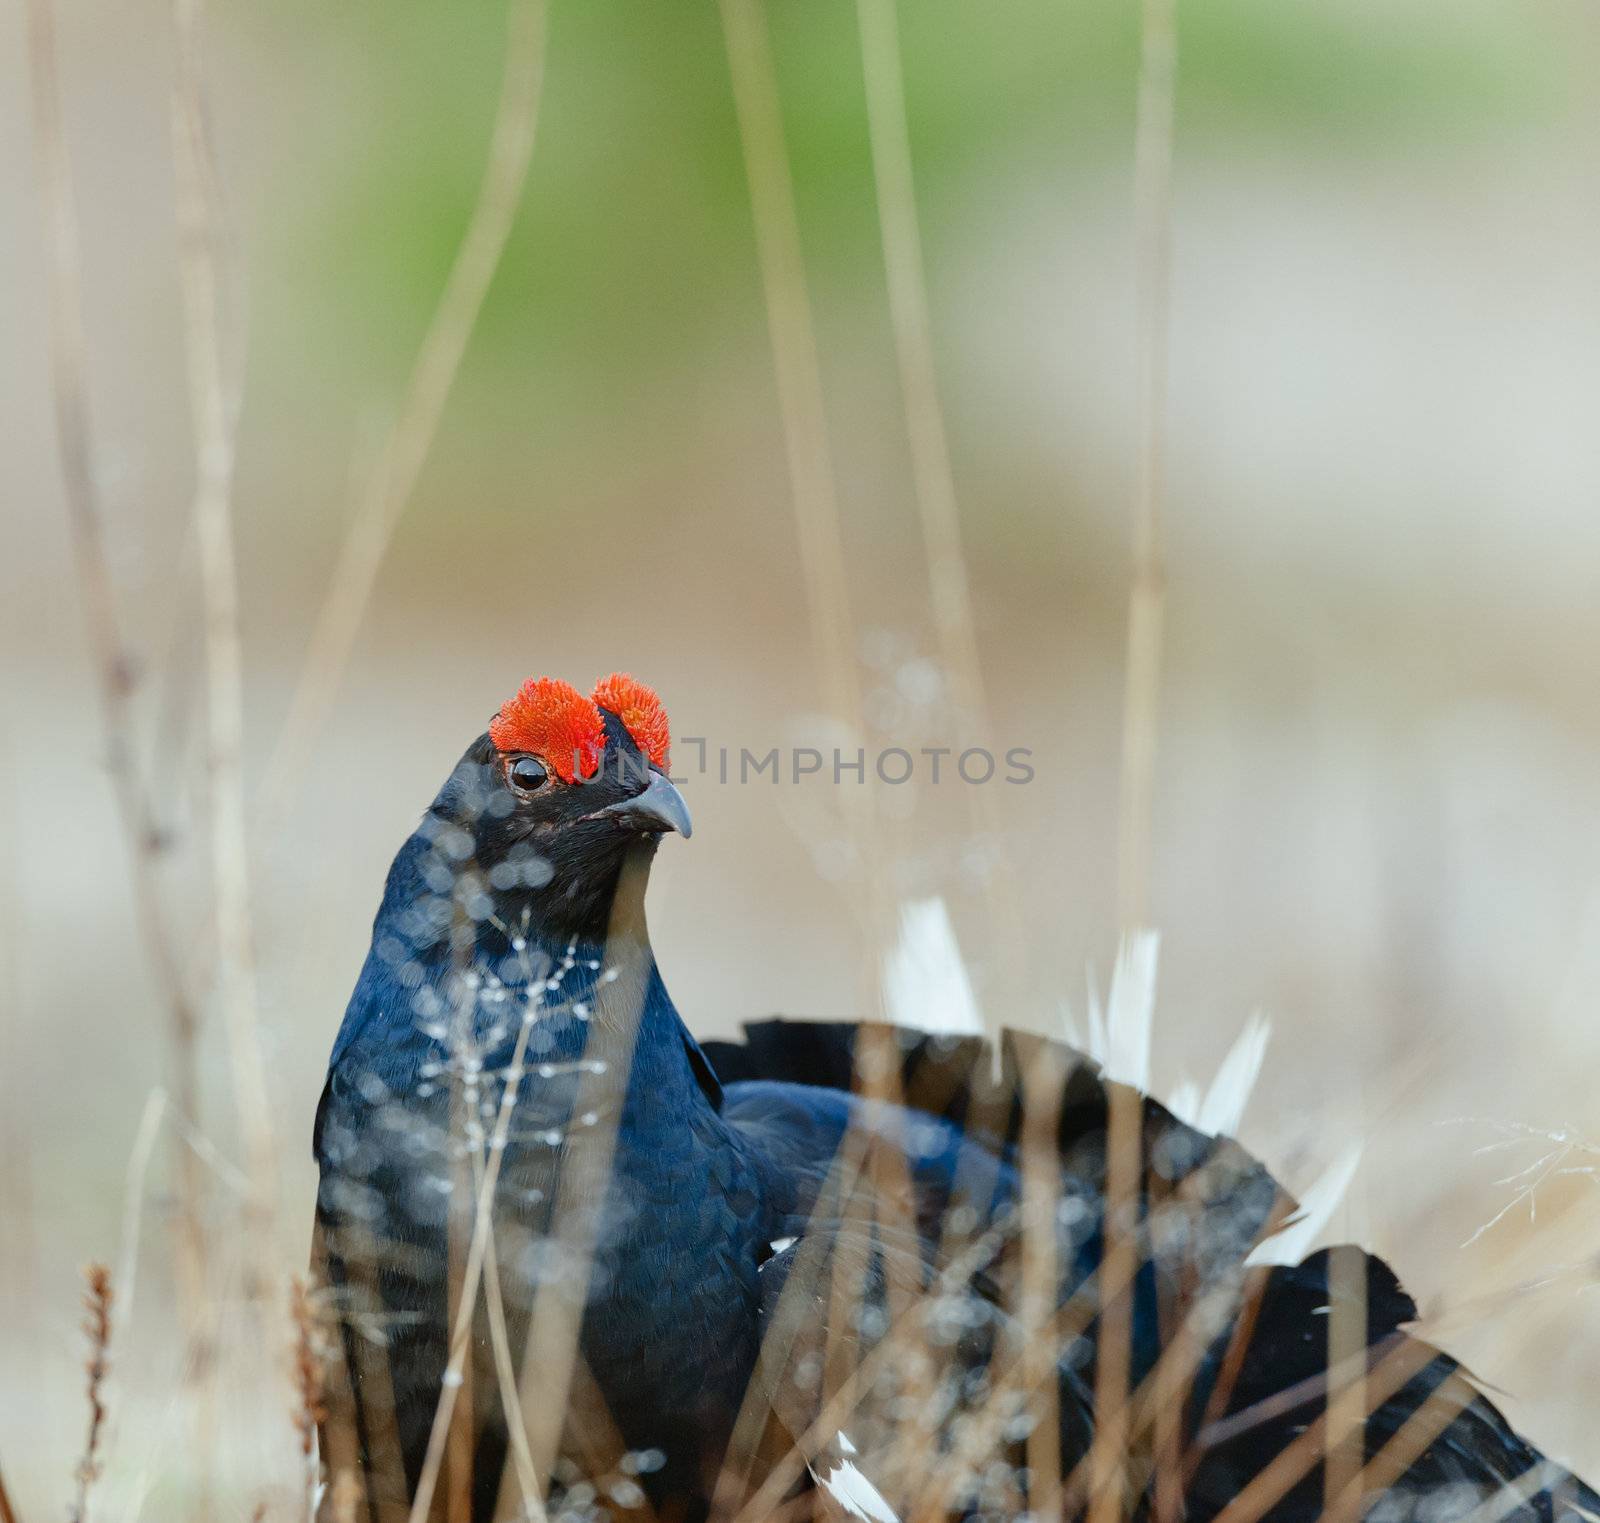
640	711
552	720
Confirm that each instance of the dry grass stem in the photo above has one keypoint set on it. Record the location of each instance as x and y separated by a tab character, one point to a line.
1294	1462
460	1222
1147	601
8	1513
346	1497
813	492
552	1363
471	1278
310	1408
1041	1274
133	1192
214	418
505	1370
1347	1344
933	476
731	1497
97	1329
391	484
522	1466
796	363
114	664
1124	1164
1141	700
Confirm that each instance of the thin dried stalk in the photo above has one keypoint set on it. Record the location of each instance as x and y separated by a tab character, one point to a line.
908	308
200	265
97	1329
471	1279
1402	1448
1510	1497
1069	1321
372	1459
731	1498
1061	1325
552	1359
19	1245
152	1458
389	488
310	1409
798	373
1347	1342
8	1513
311	1405
1146	613
346	1497
1167	1381
144	1142
505	1370
1043	1087
880	1081
933	477
1113	1348
863	1171
1147	602
459	1445
1291	1464
113	662
794	350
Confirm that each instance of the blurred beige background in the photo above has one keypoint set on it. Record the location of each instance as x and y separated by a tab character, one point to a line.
1377	804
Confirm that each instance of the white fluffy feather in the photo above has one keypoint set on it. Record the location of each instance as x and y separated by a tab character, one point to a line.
925	982
1223	1108
1119	1031
1298	1236
850	1488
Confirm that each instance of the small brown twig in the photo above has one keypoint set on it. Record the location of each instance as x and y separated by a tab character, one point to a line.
214	418
8	1513
470	1279
113	659
97	1329
346	1497
310	1410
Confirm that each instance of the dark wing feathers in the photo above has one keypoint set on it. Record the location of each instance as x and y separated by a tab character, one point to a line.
1203	1202
1458	1449
954	1078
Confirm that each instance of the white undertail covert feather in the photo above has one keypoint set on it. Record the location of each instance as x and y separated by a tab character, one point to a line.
1222	1110
1298	1236
1185	1100
925	982
925	987
843	1480
1121	1035
1119	1030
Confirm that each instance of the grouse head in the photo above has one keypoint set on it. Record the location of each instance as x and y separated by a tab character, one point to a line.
544	809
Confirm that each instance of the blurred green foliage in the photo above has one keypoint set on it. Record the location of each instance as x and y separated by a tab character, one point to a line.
633	259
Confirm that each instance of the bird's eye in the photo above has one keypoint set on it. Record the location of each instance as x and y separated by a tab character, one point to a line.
527	773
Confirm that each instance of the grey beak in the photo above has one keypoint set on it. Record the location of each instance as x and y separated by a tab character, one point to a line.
658	807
